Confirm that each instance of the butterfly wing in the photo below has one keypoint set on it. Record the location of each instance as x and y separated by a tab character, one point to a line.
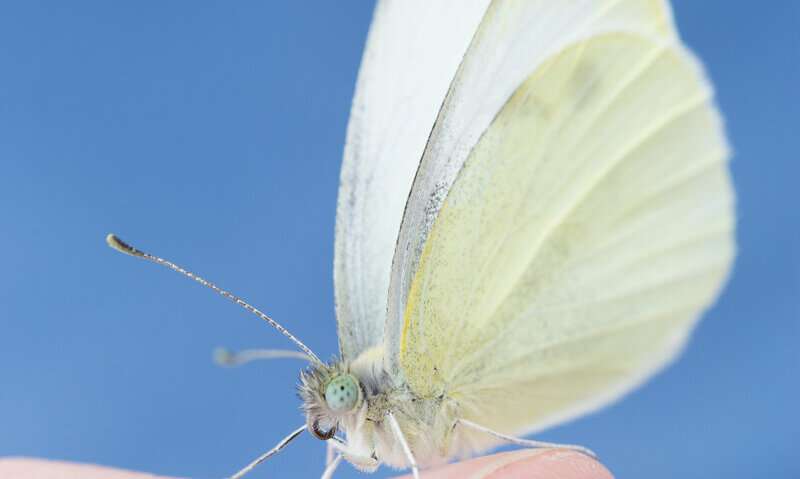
512	40
568	239
411	56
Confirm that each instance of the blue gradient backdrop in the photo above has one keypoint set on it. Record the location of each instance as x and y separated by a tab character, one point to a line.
211	133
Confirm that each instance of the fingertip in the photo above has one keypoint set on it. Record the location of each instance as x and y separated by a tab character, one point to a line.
549	464
525	464
30	468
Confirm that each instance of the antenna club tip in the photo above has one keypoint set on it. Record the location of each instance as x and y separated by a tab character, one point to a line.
222	357
116	243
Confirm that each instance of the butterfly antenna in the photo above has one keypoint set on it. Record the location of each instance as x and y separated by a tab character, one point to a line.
123	247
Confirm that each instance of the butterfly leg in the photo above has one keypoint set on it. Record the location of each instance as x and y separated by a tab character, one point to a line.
331	466
524	442
286	440
398	434
223	357
366	463
329	453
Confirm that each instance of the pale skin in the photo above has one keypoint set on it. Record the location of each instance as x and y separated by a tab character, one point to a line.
530	464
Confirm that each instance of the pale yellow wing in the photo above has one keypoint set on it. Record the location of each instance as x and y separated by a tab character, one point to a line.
514	38
585	234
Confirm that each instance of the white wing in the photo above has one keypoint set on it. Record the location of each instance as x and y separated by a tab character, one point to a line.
412	53
514	38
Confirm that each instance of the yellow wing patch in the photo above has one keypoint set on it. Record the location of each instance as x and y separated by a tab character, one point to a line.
586	232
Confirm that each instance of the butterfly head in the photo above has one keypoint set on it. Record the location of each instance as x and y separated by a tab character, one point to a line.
330	393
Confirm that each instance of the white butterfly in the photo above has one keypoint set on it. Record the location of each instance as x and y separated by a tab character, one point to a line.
534	211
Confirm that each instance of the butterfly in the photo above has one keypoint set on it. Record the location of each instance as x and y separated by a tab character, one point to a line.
535	209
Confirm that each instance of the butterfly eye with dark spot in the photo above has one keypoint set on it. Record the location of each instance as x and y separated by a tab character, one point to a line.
341	393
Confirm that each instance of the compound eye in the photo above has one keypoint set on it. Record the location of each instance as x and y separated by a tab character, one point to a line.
342	393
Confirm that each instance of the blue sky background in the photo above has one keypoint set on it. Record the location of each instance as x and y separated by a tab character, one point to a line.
211	133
